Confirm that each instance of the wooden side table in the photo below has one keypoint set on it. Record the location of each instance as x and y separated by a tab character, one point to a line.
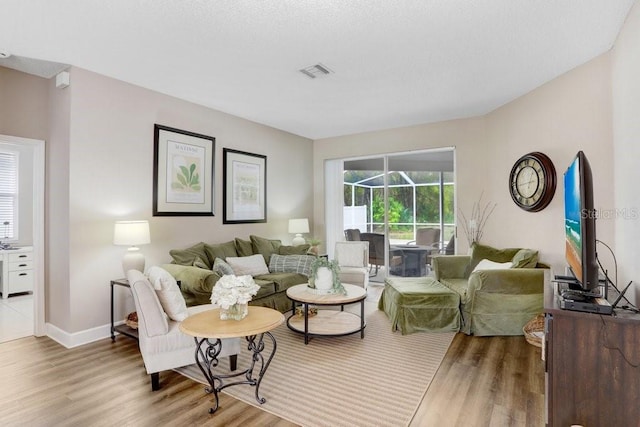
123	329
207	330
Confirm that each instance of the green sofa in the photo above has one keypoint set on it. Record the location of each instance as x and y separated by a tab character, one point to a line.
496	301
194	268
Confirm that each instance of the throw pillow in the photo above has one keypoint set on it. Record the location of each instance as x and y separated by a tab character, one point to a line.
486	264
480	252
221	267
293	250
253	265
168	293
291	264
525	258
244	247
220	250
265	247
189	255
198	262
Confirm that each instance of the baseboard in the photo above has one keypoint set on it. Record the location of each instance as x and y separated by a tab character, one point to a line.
75	339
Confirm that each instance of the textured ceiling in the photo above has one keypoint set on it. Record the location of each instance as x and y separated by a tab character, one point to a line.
396	63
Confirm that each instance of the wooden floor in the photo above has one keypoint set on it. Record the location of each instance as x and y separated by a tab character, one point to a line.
495	381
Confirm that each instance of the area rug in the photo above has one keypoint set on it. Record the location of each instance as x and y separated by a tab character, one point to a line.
345	381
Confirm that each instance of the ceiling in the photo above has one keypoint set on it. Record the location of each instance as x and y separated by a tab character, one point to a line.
395	63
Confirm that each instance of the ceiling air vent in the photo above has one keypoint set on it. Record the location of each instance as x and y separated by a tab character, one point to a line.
317	70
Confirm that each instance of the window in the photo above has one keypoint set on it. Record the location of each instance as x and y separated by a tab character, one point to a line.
8	195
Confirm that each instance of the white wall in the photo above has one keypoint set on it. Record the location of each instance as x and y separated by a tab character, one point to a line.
565	115
626	136
111	178
467	136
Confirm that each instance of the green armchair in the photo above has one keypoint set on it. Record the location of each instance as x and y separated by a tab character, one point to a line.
496	301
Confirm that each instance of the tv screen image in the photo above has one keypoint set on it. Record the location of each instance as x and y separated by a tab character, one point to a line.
580	223
572	219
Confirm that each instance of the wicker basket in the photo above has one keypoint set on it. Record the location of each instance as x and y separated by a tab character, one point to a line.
132	320
534	330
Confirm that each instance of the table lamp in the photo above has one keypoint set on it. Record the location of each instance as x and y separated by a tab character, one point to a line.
297	227
132	233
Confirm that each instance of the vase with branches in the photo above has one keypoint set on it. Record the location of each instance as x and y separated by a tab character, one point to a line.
473	226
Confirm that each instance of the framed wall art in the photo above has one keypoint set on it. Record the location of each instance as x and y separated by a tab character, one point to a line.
183	173
244	188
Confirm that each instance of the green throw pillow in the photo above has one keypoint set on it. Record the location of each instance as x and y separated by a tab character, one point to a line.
220	250
293	250
525	258
200	263
265	247
188	256
244	247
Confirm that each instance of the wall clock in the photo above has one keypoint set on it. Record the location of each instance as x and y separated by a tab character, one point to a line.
532	182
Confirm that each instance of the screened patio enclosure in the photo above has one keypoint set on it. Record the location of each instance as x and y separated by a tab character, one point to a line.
397	195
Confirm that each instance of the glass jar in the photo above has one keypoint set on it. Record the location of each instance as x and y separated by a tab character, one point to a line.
235	312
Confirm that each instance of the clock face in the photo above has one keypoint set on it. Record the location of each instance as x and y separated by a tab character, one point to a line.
532	182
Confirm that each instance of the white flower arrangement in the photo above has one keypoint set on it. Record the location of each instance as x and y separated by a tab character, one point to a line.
230	290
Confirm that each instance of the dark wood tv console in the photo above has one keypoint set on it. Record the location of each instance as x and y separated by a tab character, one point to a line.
592	366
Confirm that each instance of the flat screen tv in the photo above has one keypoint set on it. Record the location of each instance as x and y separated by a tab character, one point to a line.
580	224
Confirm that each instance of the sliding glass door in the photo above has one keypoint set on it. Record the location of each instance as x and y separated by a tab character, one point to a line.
403	204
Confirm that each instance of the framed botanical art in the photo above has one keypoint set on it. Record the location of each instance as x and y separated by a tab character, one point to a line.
244	188
183	175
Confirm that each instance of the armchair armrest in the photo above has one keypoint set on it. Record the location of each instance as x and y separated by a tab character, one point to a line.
515	281
450	266
196	283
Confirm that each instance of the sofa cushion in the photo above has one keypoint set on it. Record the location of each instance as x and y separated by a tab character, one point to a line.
200	263
253	265
291	264
293	250
220	250
460	286
267	287
168	293
525	258
244	247
222	267
265	247
189	255
283	281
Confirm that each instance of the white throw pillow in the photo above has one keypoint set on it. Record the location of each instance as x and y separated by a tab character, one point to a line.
168	293
485	264
253	265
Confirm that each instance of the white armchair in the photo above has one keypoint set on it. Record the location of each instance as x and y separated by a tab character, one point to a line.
353	259
162	344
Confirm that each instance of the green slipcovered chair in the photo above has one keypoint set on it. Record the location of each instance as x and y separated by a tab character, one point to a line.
494	301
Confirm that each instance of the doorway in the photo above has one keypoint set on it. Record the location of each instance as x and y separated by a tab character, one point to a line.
23	314
402	203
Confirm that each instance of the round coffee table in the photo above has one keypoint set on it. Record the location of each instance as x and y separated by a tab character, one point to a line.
329	323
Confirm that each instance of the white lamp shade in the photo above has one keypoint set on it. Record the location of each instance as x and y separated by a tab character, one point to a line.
298	226
131	233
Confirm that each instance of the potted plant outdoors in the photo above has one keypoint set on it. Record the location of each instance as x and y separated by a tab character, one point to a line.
313	243
324	277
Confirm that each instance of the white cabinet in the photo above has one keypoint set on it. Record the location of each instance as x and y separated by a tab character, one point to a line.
17	271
